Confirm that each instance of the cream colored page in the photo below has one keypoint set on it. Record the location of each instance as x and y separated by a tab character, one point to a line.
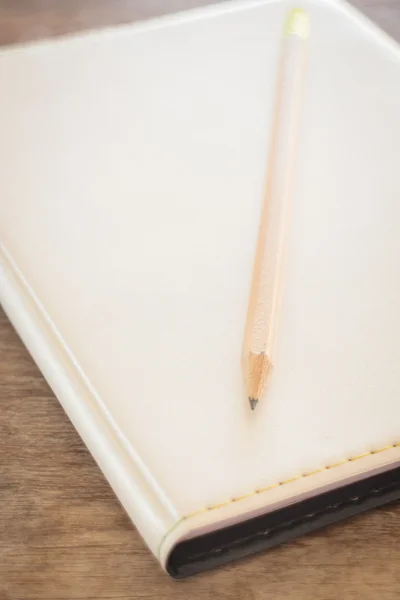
133	168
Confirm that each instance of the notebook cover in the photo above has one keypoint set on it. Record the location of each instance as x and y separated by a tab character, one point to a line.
133	172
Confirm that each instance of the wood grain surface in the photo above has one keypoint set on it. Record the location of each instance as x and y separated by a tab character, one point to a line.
63	535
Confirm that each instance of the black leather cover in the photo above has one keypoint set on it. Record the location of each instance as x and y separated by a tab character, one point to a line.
256	534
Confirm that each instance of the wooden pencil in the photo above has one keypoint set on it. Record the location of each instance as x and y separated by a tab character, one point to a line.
264	301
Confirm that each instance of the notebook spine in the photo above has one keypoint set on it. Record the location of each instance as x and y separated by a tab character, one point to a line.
144	502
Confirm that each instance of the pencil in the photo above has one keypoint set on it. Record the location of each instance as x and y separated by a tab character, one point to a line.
264	300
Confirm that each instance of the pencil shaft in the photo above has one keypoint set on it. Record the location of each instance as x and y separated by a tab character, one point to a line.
264	301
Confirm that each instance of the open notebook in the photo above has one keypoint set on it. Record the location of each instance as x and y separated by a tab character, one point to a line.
133	166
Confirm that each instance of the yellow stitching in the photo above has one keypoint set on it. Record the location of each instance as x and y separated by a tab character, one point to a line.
275	485
360	456
291	480
341	462
313	472
385	448
243	497
220	504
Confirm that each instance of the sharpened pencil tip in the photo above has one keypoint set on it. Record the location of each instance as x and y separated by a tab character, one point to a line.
253	403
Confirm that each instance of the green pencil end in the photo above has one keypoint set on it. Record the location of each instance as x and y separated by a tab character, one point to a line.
297	23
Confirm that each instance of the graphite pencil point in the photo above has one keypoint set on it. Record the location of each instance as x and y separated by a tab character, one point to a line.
253	403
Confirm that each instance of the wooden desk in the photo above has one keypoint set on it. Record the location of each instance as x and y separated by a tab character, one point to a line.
63	535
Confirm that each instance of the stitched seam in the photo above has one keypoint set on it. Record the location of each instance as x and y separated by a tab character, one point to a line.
291	480
270	487
330	508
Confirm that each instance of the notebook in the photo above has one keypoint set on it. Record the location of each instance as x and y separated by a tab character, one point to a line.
133	169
